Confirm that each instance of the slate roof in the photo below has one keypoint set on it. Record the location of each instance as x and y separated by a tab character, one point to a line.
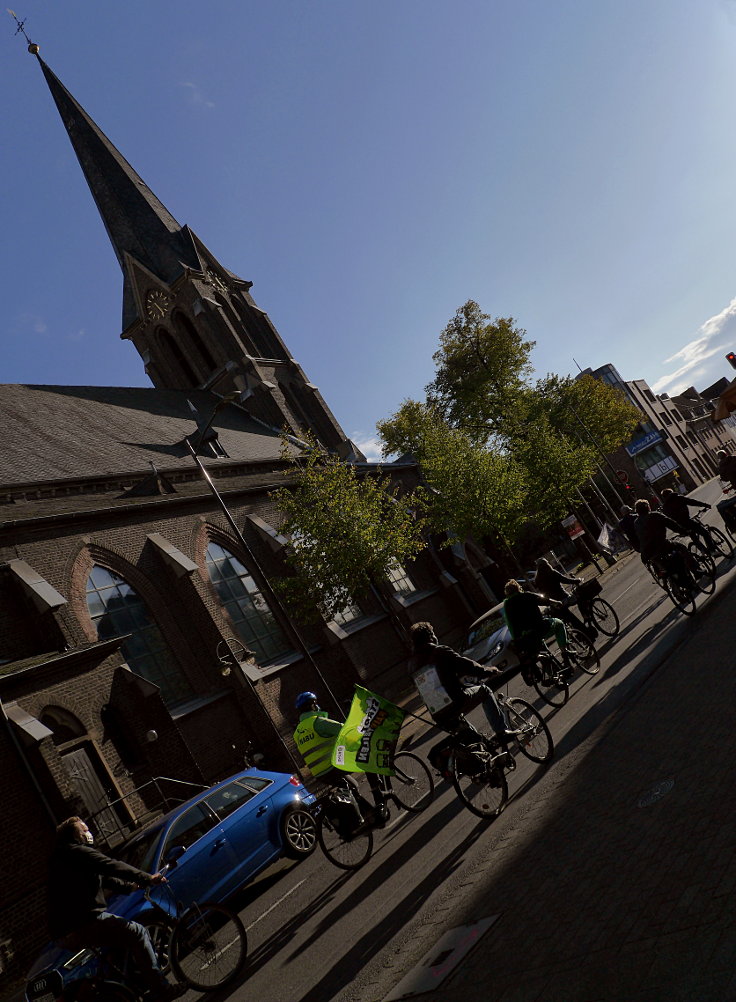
53	433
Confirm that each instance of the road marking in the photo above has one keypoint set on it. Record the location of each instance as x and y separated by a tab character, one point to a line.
276	904
441	960
655	793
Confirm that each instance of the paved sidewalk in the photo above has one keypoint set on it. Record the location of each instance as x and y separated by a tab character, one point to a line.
619	884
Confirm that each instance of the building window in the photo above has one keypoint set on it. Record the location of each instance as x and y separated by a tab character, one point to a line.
116	609
400	580
350	613
256	625
171	346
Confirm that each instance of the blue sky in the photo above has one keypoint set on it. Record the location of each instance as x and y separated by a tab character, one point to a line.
371	166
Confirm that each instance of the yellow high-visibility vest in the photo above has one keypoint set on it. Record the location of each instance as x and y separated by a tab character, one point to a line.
316	751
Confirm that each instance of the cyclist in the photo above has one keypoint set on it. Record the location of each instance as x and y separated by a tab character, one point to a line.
78	915
315	737
549	582
676	507
528	625
453	671
627	526
651	528
726	467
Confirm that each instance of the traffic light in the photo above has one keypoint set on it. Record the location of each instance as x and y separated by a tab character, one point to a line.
731	359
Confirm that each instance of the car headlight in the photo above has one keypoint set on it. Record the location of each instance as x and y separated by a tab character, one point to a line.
497	649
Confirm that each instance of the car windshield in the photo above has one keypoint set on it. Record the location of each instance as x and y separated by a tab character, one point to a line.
483	629
140	851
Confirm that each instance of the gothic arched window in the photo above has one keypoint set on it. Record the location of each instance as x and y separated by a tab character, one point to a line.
116	609
185	326
170	344
242	598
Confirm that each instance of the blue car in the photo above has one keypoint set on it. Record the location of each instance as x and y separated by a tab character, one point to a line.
219	839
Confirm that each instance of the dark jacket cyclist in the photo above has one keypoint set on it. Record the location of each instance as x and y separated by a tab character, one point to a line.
527	624
446	672
78	915
675	506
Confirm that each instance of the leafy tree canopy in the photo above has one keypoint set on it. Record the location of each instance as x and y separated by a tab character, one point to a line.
481	365
346	531
493	443
473	489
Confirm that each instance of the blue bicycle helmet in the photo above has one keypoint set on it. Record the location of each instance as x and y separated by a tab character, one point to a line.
304	698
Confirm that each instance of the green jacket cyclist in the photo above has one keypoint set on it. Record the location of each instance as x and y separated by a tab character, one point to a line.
315	737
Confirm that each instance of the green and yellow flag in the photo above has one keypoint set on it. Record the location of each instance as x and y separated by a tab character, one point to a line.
367	739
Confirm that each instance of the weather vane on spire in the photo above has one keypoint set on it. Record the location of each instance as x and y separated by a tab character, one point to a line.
21	30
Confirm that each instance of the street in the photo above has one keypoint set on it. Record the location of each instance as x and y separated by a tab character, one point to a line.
317	934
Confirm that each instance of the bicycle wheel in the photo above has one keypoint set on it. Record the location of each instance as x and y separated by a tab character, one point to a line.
551	688
705	574
582	653
604	617
479	783
681	594
721	542
209	946
346	851
160	932
412	787
105	991
532	734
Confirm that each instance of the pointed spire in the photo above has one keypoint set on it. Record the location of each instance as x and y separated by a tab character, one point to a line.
136	222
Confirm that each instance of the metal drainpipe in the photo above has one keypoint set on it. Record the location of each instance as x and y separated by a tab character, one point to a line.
27	766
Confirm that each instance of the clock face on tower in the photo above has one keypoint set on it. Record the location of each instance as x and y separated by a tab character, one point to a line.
216	280
157	304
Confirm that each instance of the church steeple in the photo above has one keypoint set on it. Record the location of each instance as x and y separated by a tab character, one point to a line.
193	322
136	222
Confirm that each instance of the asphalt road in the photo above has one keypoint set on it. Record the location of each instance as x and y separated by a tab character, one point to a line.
317	934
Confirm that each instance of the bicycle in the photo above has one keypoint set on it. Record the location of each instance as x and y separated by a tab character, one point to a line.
596	612
345	835
547	672
719	540
476	763
205	944
682	575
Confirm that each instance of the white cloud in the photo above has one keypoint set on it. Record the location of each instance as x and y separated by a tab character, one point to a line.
77	335
369	445
196	96
716	335
31	323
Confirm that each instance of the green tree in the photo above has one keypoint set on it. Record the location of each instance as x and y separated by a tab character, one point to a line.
497	449
473	490
588	409
347	531
482	365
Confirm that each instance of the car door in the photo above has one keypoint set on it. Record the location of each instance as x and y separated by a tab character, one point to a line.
204	871
244	810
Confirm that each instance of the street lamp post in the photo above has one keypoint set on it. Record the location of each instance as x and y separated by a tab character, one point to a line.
273	598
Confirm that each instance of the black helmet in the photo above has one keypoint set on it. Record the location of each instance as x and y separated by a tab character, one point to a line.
304	698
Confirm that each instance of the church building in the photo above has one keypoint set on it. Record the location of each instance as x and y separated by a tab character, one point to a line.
143	651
